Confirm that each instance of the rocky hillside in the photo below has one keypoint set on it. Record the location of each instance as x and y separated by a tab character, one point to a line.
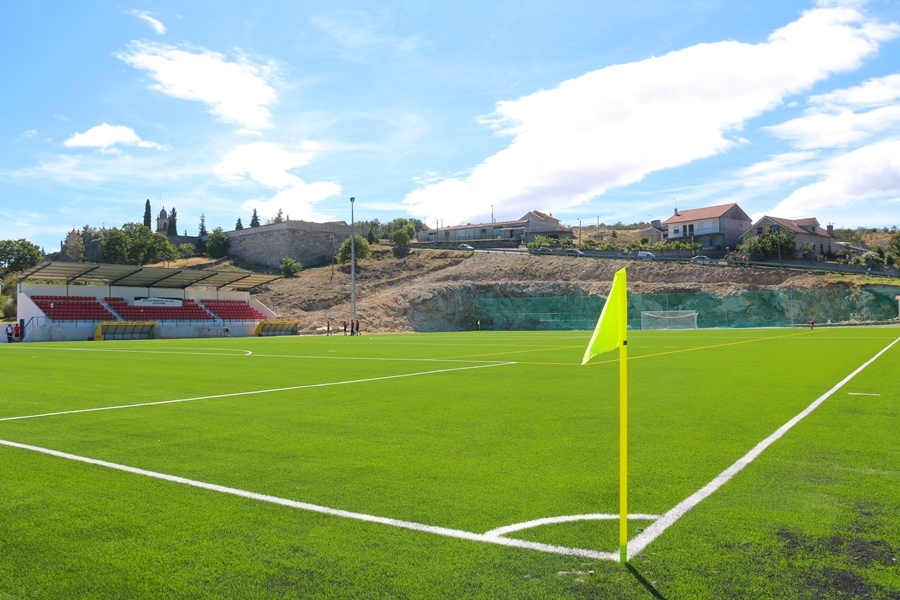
433	290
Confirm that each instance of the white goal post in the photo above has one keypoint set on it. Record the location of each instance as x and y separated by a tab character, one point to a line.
668	319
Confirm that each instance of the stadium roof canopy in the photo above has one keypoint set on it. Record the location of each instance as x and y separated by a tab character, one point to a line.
147	277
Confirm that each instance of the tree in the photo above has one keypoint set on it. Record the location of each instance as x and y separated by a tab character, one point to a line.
139	245
254	220
400	237
18	255
172	229
114	249
203	225
163	250
869	259
148	218
290	266
135	244
238	226
894	244
539	242
89	234
185	250
362	249
278	218
75	249
371	237
217	243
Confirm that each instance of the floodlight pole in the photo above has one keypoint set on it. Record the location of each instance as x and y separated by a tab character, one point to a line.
352	263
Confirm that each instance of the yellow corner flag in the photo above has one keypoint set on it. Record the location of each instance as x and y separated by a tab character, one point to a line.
611	333
612	327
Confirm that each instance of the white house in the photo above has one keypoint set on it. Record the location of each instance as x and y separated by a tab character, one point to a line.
713	227
532	224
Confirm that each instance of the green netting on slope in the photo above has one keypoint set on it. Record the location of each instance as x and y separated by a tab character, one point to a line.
765	308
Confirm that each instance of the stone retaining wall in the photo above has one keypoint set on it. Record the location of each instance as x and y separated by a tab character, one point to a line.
310	243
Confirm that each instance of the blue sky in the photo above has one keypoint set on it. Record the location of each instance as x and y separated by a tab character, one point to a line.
617	111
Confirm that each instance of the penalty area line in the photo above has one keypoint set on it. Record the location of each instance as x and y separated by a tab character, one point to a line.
254	392
346	514
643	539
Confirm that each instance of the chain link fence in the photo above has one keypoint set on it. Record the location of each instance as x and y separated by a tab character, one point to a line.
738	309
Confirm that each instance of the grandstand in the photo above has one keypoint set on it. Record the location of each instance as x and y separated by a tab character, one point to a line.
173	310
72	308
69	301
232	310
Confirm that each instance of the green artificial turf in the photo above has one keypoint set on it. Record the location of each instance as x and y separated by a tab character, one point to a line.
468	431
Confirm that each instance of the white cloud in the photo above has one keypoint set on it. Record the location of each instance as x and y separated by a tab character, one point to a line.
269	165
840	117
870	172
612	127
779	169
106	137
238	91
68	170
360	34
27	134
265	163
873	92
143	15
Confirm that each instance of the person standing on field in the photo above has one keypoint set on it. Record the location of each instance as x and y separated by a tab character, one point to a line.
9	333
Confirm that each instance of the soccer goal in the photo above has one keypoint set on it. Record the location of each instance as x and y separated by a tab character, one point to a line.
669	319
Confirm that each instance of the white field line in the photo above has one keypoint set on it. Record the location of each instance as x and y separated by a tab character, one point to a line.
652	532
432	529
861	394
242	353
253	392
565	519
189	351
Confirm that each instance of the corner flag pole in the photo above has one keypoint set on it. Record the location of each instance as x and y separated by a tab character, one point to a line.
611	333
623	439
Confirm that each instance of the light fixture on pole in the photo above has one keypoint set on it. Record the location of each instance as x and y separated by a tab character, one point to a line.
352	263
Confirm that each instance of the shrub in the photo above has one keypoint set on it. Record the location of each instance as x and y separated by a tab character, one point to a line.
290	266
400	237
363	250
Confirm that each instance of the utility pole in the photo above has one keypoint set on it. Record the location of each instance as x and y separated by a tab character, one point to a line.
352	263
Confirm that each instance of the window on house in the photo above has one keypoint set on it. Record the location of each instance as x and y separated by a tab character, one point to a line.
690	229
676	231
759	230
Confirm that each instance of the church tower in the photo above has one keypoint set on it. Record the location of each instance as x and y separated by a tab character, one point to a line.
162	221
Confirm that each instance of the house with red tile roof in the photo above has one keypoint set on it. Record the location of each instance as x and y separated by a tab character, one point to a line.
806	231
714	227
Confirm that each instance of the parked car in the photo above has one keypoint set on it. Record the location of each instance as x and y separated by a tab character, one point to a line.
646	255
703	260
464	247
541	251
574	252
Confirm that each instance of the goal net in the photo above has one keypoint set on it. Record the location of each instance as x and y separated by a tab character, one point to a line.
669	319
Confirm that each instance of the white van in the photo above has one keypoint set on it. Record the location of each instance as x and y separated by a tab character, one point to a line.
646	256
